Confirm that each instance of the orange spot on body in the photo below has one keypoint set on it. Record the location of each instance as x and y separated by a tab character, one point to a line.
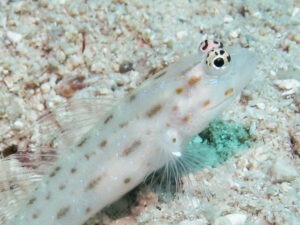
103	143
131	148
155	109
185	119
179	91
206	103
228	91
194	80
62	212
175	108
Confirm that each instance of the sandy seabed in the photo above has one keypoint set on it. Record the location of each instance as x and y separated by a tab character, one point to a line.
56	51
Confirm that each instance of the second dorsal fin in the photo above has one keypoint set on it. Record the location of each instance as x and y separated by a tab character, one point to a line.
48	139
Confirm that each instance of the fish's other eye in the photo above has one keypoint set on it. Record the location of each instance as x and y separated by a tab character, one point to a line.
208	45
217	59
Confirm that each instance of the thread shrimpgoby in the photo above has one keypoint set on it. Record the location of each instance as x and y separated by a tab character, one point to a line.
149	128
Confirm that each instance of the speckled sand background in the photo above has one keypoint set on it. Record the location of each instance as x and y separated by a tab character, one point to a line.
54	51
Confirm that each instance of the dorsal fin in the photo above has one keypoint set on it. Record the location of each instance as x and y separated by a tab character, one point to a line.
49	138
67	123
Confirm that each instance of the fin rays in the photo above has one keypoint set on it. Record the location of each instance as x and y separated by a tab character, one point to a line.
41	145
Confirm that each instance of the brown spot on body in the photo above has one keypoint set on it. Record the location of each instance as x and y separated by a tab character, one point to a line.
175	108
179	91
127	180
35	215
194	80
228	91
132	97
62	212
82	142
3	219
154	110
48	196
108	119
131	148
173	140
88	210
206	103
89	155
103	143
93	183
62	187
55	171
31	201
121	125
185	119
73	170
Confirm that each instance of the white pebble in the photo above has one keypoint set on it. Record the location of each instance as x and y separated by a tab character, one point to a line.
45	88
60	55
252	128
272	73
40	107
283	170
97	67
56	100
234	34
261	154
296	10
181	34
18	125
14	36
75	60
231	219
228	19
287	84
260	105
193	222
222	221
236	218
9	81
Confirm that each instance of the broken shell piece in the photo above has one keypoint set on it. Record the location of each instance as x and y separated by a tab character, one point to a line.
290	85
14	36
283	170
231	219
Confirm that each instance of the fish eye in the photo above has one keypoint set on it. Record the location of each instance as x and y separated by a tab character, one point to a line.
217	59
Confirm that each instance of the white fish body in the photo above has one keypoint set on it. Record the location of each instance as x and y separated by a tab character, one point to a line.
148	129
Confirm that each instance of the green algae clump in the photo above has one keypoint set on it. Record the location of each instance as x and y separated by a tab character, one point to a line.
226	138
